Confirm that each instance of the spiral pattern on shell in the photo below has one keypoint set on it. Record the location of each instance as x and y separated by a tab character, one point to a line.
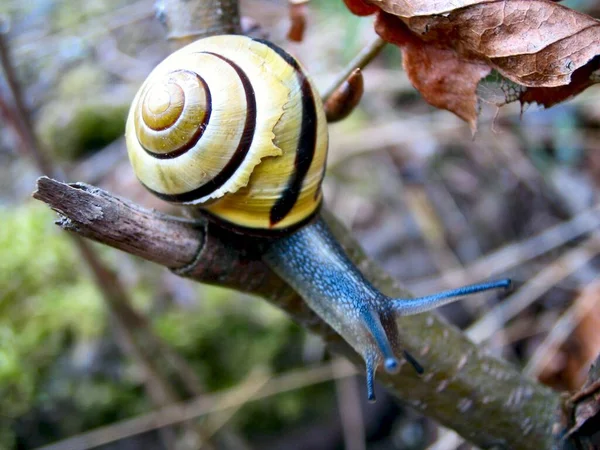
173	114
235	126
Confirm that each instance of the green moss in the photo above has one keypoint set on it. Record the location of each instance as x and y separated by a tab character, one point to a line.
44	301
58	357
225	338
72	130
43	297
82	118
84	79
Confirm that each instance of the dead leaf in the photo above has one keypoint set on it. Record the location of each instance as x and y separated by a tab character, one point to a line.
360	7
581	79
443	79
578	426
568	368
534	43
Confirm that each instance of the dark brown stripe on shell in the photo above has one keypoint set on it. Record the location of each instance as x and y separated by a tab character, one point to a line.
238	155
306	141
197	134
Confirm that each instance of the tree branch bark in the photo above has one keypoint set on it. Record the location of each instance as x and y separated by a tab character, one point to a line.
484	399
187	21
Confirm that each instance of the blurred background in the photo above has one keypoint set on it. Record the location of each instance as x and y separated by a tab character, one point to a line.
439	208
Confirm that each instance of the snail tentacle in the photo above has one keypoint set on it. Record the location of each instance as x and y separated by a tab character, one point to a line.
417	305
371	367
373	323
413	362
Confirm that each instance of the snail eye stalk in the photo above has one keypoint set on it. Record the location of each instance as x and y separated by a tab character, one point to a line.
410	306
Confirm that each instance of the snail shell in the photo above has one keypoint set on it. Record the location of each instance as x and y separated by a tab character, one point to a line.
236	126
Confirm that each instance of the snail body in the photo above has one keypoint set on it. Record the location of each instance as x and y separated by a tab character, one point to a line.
234	126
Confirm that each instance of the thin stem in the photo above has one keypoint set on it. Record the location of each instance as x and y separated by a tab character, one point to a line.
208	404
19	117
587	300
517	253
553	273
360	61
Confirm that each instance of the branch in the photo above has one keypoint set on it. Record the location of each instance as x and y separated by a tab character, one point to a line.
484	399
187	21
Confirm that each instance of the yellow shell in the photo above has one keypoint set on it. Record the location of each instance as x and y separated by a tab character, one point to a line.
235	126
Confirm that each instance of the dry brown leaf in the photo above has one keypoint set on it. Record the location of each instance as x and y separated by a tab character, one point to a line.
581	79
360	8
581	414
568	369
534	43
445	80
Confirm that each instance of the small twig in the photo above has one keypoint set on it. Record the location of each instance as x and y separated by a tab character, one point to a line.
349	409
13	85
19	116
244	393
176	245
517	253
562	329
208	404
561	268
430	226
360	61
456	224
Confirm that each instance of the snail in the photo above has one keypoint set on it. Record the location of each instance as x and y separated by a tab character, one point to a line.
234	126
